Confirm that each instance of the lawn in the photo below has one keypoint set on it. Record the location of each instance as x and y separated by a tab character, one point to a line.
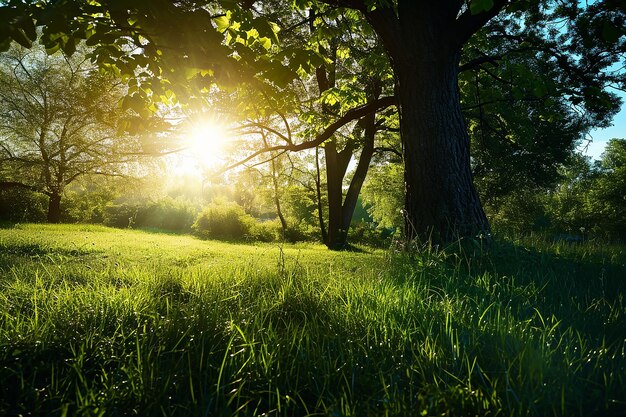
98	321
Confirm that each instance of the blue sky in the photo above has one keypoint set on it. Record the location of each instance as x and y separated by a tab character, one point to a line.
601	136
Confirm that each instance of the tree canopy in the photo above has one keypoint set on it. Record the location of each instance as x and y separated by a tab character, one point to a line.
543	57
58	121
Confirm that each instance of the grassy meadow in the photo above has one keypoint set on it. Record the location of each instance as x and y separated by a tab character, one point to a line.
104	322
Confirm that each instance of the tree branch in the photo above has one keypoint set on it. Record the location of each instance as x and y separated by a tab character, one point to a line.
6	185
382	149
352	114
467	24
475	63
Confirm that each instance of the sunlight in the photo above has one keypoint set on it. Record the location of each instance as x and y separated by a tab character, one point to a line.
206	144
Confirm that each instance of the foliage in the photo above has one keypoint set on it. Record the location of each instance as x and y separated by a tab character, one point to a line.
223	220
22	205
264	230
177	215
384	194
370	236
58	122
133	323
591	197
86	200
609	190
587	202
520	212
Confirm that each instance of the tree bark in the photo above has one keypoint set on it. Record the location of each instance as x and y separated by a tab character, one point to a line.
279	211
335	238
340	208
441	202
318	192
276	189
54	208
360	173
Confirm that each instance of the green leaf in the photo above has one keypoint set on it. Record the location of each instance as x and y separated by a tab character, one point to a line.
5	45
479	6
51	49
222	23
69	47
19	37
266	29
610	33
27	25
539	91
265	43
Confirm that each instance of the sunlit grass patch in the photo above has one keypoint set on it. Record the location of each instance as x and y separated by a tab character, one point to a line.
96	320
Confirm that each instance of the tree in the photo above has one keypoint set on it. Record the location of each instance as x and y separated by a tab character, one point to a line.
568	204
355	74
424	41
225	43
58	122
608	193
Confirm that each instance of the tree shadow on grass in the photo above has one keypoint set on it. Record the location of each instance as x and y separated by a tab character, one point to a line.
583	290
7	224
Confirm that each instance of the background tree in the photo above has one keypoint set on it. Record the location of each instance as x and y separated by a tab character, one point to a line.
354	75
567	204
608	193
58	122
197	43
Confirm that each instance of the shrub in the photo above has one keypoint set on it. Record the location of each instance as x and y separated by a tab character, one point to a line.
224	220
120	215
175	215
20	205
365	233
81	205
267	231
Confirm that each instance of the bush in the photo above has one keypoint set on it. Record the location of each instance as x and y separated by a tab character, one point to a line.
224	220
519	213
85	206
121	215
267	231
364	233
176	215
20	205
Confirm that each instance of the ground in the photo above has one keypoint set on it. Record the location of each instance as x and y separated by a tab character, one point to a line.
100	321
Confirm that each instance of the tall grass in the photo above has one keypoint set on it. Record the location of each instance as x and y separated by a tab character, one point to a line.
98	321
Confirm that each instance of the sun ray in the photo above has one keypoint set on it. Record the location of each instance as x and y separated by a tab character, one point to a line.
206	145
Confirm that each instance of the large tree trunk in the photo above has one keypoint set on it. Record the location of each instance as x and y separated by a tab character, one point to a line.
335	170
54	208
441	202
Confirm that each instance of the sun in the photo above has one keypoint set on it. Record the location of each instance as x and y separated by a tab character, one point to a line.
207	140
206	143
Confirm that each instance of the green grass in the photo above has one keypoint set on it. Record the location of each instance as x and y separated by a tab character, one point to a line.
97	321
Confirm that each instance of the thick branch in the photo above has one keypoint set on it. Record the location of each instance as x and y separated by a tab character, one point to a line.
352	114
350	4
265	127
467	24
7	185
474	63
